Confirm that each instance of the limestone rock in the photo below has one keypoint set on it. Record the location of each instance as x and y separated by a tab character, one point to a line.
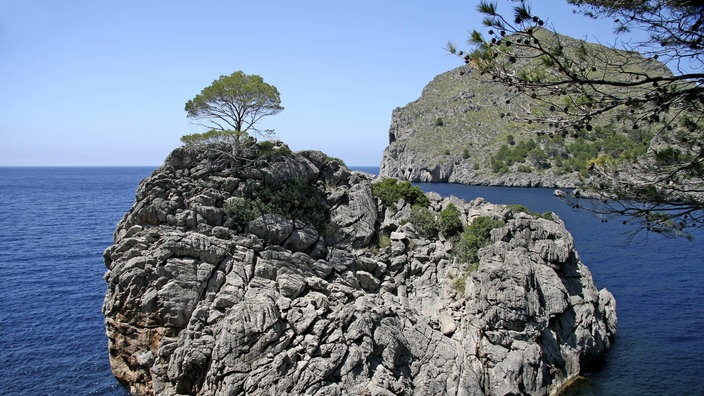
199	305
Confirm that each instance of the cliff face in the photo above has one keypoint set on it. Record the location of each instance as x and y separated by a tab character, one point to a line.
199	302
466	128
449	134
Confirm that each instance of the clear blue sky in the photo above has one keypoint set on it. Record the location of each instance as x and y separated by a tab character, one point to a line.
89	82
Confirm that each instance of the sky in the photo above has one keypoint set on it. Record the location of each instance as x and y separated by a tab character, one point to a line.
104	83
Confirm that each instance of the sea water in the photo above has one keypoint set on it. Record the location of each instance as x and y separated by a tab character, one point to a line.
54	225
56	222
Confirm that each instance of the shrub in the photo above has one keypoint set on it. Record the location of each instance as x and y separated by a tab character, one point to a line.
242	210
296	200
268	148
383	240
424	221
211	137
475	236
518	208
450	223
389	191
335	160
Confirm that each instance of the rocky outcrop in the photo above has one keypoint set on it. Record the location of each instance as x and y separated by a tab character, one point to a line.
200	302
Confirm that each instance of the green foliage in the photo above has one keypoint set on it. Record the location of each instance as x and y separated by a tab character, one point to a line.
505	157
235	102
296	200
570	88
211	137
671	156
475	236
337	160
536	75
439	122
423	221
270	149
573	155
449	222
390	191
242	210
384	240
518	208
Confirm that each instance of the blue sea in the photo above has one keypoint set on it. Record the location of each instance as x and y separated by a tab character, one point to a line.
56	222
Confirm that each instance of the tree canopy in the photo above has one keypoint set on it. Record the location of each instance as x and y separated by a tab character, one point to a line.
579	86
235	103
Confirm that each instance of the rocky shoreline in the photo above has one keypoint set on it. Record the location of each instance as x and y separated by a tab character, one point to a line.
404	162
201	303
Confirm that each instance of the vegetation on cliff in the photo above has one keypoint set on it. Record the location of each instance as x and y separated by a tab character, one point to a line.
652	167
489	131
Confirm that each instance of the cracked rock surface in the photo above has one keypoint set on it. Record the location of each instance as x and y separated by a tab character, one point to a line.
199	305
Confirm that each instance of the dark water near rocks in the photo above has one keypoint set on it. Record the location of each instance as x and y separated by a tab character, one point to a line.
55	223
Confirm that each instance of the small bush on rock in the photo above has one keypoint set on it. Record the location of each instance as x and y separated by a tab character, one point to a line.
424	221
242	210
389	191
271	149
475	236
213	136
384	240
518	208
296	200
450	223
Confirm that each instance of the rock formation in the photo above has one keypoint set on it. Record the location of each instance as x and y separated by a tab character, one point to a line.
200	302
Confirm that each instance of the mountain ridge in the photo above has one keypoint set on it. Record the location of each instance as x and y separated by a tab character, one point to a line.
466	128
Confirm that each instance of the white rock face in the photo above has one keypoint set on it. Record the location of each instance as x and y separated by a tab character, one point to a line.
199	305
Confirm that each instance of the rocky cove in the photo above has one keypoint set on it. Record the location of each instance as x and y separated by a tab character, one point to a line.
356	301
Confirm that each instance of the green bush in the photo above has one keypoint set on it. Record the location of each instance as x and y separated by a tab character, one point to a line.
335	160
296	200
389	191
518	208
242	210
211	137
450	223
424	221
268	148
475	236
383	240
